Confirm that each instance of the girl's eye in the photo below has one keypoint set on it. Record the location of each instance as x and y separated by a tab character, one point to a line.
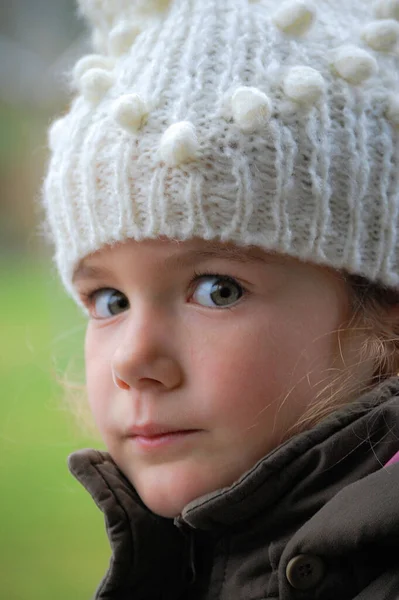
216	290
107	303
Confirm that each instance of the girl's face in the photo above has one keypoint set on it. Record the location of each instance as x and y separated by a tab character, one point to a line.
234	343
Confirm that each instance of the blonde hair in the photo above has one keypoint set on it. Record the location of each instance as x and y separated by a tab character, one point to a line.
370	305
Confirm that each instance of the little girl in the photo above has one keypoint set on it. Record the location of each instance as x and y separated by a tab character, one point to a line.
223	198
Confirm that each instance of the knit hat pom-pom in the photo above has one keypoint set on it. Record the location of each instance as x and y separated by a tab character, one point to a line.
382	36
304	84
130	111
179	144
294	17
251	108
91	61
354	64
95	83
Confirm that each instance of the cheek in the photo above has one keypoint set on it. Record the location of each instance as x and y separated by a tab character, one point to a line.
235	369
98	377
252	367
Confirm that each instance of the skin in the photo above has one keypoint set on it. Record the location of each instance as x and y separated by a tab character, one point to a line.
242	370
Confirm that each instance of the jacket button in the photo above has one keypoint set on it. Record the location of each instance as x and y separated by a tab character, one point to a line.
305	571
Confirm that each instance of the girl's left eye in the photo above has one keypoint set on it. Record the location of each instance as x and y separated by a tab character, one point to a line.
106	303
217	291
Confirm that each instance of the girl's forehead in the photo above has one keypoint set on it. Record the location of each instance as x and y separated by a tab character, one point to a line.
173	252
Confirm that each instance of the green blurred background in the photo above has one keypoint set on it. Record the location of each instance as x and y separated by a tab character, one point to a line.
52	539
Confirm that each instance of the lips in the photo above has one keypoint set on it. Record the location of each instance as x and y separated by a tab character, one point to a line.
154	431
159	435
163	441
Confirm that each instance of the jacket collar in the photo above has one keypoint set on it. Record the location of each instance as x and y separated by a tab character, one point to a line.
350	444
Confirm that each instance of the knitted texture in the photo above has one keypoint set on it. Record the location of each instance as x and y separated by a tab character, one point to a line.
266	123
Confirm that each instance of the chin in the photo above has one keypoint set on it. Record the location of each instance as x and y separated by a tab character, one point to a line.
168	512
167	501
167	491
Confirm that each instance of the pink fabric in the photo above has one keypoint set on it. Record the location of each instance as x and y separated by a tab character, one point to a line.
394	459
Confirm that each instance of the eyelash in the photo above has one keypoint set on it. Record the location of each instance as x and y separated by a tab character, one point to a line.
89	297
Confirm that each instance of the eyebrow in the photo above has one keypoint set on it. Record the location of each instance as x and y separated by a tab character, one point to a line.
180	260
85	271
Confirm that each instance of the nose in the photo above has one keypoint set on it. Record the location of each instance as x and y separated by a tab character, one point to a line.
144	357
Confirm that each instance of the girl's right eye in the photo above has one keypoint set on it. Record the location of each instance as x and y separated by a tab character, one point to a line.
107	303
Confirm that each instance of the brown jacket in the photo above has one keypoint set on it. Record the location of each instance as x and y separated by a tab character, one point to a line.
317	518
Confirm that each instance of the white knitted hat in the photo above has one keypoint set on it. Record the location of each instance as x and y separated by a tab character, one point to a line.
266	123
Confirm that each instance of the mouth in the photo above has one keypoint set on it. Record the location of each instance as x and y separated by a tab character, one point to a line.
165	433
163	439
152	431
